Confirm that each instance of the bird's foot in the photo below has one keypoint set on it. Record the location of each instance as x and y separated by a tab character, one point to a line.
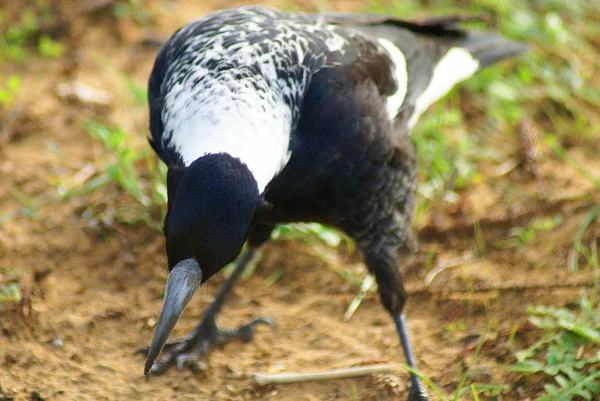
417	394
189	352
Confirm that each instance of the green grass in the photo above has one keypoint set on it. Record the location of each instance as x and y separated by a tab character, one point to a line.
10	292
134	10
589	253
462	388
311	233
126	163
567	357
521	236
20	33
9	87
134	169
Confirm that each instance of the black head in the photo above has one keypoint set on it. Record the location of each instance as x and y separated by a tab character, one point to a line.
212	204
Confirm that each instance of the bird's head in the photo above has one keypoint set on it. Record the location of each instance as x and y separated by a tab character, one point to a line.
212	204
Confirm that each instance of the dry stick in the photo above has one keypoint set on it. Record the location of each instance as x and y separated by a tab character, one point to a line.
281	378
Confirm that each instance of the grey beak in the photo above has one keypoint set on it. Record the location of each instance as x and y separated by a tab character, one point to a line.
184	279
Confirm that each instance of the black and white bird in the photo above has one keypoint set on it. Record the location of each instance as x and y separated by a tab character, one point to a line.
267	117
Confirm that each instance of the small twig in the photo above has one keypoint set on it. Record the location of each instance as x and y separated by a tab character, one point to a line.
263	379
448	265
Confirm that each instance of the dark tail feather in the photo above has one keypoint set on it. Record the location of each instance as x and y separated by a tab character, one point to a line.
489	48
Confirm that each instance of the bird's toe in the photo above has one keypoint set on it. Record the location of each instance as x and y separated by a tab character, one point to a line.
190	352
191	360
417	395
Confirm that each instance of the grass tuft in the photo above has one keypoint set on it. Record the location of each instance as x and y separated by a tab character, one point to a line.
135	170
568	355
10	292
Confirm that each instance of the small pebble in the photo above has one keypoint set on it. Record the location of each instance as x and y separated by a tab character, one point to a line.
234	374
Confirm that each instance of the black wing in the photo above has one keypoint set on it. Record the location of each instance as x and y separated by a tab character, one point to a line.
423	43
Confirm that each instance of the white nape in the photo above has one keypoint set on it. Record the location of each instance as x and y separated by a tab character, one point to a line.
233	119
456	65
400	74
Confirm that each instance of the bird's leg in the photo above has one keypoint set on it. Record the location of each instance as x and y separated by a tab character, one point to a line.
416	392
384	264
189	351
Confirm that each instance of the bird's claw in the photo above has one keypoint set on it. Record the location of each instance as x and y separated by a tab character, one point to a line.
417	395
191	361
189	352
246	332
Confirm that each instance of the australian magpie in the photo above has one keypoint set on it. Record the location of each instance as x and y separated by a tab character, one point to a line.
266	117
